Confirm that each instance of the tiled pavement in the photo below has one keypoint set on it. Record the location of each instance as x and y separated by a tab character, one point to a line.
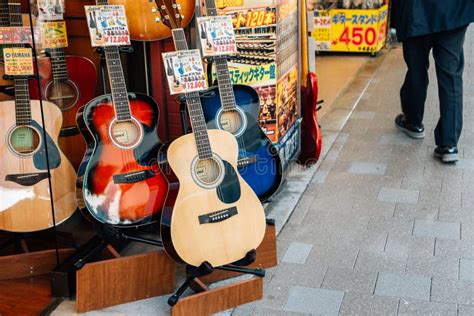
383	228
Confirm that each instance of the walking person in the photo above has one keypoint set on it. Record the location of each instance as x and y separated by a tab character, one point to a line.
438	25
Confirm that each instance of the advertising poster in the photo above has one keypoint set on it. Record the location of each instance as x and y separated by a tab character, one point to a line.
50	10
107	25
184	71
15	35
217	36
350	30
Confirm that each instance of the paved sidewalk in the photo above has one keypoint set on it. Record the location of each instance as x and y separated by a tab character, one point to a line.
383	228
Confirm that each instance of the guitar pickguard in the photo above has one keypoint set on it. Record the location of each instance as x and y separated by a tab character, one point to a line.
229	190
39	158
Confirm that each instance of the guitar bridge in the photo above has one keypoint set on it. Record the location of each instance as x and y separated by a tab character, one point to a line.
133	177
26	179
218	216
246	161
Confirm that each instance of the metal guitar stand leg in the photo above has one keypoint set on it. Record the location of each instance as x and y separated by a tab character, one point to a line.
206	268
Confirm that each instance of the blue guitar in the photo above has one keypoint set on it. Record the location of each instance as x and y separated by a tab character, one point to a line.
235	108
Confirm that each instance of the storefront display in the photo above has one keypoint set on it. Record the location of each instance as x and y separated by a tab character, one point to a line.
76	138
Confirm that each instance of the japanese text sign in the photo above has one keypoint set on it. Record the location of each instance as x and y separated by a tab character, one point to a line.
107	25
217	35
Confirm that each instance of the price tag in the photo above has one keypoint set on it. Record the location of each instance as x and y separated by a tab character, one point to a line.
217	35
53	34
18	61
50	10
322	30
15	35
184	71
107	25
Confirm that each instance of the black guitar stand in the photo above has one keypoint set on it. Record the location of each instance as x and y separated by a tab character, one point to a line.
103	63
206	268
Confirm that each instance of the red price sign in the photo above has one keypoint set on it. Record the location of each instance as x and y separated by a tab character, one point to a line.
357	36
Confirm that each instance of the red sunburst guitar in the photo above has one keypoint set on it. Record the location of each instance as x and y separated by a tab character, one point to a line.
122	184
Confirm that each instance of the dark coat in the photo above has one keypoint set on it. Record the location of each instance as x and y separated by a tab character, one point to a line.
420	17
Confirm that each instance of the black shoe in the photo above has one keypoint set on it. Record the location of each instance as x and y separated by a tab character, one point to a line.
412	130
447	154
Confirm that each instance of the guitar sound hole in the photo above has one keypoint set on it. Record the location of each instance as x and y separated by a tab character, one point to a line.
231	121
126	134
24	140
62	93
208	172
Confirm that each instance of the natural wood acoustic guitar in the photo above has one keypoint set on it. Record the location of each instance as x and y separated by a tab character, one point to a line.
25	195
216	217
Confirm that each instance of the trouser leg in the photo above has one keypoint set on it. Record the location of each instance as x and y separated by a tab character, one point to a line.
416	51
449	58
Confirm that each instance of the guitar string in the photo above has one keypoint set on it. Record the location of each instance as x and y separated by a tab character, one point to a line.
224	81
198	116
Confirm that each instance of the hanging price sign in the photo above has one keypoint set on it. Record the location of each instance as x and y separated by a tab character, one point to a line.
18	61
107	25
50	10
53	34
217	35
184	71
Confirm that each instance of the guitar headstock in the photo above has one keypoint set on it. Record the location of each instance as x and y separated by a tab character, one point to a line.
170	13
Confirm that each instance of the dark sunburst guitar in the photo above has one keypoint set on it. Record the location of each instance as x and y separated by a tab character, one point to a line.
121	182
216	216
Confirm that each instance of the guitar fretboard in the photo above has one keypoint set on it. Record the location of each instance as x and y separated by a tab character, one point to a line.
58	64
22	93
4	17
117	83
226	91
193	103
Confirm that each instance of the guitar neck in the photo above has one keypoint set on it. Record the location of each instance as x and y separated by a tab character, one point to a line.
117	83
193	103
226	91
22	92
58	64
4	13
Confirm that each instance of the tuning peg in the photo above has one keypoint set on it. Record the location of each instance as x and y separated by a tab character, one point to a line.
182	16
158	20
178	6
177	15
163	7
154	10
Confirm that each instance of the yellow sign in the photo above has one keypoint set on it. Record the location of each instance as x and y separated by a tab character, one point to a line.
53	34
350	30
229	3
244	74
18	61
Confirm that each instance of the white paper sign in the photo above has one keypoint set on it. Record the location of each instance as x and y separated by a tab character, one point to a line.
107	25
217	35
184	71
50	10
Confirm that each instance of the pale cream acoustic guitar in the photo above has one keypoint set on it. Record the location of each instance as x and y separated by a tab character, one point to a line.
216	217
25	195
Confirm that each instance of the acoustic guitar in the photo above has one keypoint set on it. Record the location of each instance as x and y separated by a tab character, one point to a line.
25	195
235	108
142	24
122	184
216	216
69	82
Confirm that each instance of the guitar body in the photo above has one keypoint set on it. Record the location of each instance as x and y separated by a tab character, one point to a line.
79	90
264	175
122	184
141	20
192	231
311	138
25	200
